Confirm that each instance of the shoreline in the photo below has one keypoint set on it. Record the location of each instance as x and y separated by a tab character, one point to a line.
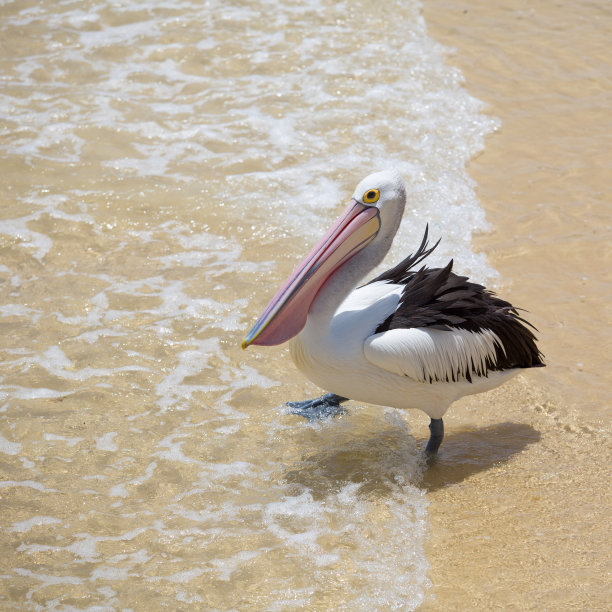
544	175
517	512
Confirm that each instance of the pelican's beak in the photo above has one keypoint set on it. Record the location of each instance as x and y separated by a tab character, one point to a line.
285	316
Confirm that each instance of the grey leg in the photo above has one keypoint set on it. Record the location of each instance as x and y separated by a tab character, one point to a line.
436	426
327	405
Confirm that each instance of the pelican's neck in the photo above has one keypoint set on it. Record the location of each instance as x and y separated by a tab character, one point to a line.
340	284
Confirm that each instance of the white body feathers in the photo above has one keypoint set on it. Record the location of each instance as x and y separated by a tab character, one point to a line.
403	368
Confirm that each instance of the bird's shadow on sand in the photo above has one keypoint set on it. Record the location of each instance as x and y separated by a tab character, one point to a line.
471	451
385	459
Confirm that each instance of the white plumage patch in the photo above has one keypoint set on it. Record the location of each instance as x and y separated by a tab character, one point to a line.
429	355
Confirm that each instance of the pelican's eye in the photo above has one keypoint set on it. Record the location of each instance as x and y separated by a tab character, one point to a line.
371	196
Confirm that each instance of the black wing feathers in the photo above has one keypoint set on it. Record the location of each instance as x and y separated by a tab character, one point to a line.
440	299
398	272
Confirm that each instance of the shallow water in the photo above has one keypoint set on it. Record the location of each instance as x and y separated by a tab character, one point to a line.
165	167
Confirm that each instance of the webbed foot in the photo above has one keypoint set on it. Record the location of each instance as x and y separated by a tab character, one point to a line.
323	407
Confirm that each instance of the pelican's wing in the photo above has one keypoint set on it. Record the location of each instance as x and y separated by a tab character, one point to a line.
434	355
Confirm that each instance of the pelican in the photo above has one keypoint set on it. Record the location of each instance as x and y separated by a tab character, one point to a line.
410	338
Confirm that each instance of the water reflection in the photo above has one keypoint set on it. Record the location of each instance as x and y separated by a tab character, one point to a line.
378	461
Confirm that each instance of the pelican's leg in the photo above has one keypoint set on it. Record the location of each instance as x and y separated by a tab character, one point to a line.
327	405
436	426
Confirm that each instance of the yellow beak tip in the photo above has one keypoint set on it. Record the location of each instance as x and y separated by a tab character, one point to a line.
244	344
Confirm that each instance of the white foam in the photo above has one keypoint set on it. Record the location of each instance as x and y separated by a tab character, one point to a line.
55	361
30	393
174	452
19	310
185	576
104	572
121	490
184	597
226	567
84	549
30	484
9	448
40	243
106	442
47	579
15	279
35	521
67	440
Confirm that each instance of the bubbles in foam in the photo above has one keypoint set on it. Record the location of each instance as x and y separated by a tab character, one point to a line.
9	448
35	521
107	442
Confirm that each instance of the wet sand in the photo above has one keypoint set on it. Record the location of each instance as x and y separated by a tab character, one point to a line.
523	522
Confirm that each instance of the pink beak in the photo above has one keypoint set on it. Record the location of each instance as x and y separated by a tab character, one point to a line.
285	315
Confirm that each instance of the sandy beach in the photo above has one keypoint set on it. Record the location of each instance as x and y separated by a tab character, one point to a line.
540	515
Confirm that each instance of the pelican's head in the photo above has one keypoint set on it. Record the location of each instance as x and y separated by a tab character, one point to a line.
373	215
385	191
